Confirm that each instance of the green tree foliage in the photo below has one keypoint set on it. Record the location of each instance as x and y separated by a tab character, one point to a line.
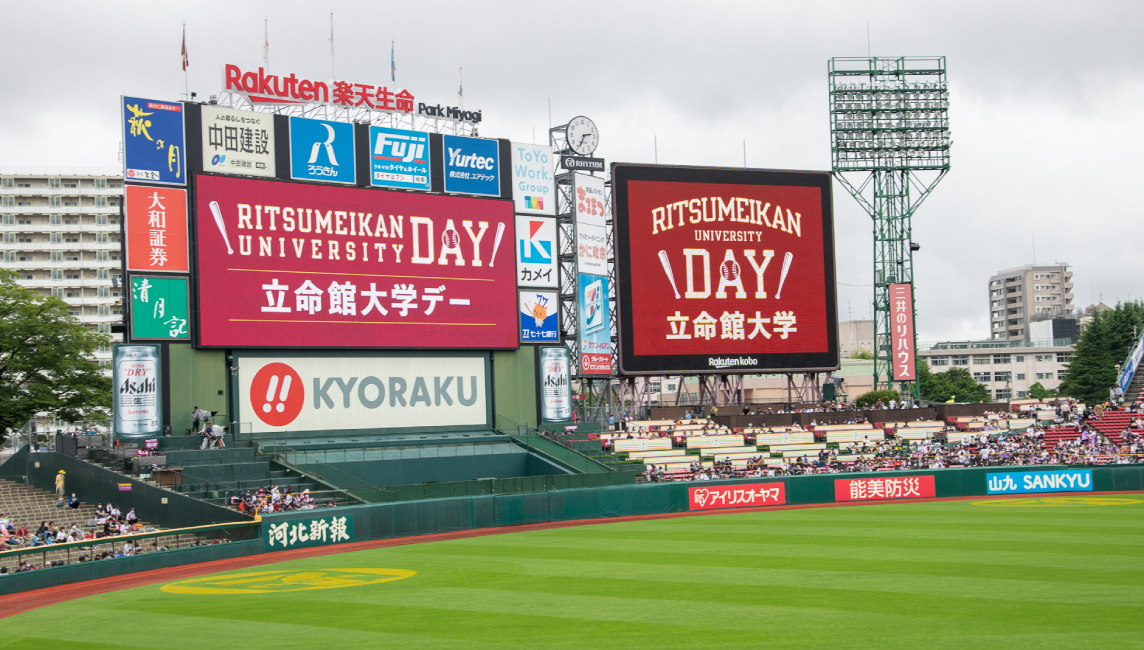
45	364
862	354
867	400
1104	343
1037	391
956	384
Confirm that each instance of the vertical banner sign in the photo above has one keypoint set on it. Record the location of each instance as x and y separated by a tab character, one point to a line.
536	252
539	316
136	390
902	332
591	230
555	385
237	142
153	148
398	158
533	191
472	166
159	308
321	150
156	227
595	326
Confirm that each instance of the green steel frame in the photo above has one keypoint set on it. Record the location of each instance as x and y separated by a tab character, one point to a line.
890	142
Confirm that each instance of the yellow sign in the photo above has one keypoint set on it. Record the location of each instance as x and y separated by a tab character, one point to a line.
271	582
1059	502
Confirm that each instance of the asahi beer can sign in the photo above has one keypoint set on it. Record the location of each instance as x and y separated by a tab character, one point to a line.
138	409
555	387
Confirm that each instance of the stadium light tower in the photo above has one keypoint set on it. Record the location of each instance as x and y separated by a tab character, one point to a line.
890	141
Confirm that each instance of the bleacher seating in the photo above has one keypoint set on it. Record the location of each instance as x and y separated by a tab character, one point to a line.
710	442
784	438
1112	423
640	444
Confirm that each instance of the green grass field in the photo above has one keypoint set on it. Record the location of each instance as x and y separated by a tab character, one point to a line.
1022	573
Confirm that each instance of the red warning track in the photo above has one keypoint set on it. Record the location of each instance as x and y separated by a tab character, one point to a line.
17	603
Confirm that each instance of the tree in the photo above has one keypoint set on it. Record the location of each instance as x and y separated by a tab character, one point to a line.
1037	391
862	354
867	400
955	383
1103	343
45	359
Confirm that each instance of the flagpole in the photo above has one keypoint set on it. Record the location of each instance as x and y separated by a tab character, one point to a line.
333	66
186	81
266	43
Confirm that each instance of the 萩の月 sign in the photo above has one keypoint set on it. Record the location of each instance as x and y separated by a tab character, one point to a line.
724	269
291	265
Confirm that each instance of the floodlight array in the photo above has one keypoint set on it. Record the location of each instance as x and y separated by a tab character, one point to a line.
890	124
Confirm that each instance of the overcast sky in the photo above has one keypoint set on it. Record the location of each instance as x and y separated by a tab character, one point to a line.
1045	103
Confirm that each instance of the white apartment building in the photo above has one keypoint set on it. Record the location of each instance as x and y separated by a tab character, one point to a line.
1007	370
1020	295
61	234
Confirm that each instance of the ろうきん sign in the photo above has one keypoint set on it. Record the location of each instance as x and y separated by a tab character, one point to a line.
736	496
287	265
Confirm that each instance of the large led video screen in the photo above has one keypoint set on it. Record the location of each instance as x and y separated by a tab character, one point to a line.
724	270
296	265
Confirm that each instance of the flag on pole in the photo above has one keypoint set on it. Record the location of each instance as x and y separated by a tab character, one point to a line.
461	87
186	62
392	63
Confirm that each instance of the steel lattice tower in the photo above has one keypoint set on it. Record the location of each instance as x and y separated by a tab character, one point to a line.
890	142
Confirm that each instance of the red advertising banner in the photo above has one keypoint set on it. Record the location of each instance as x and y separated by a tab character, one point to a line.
724	270
736	496
902	332
299	265
155	221
865	489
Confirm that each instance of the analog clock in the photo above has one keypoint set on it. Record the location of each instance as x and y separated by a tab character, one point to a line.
583	138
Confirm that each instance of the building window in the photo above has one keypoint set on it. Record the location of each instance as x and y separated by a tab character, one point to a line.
7	201
6	182
55	201
1003	394
1020	376
1044	375
9	238
55	238
71	276
1063	357
1044	357
57	274
104	328
939	361
53	182
1021	394
1020	358
56	256
104	292
1061	374
103	274
1002	376
981	377
101	238
101	256
960	360
981	360
101	183
101	219
101	201
104	310
55	219
9	256
57	292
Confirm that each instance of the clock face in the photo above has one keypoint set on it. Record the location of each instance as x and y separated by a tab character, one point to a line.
583	138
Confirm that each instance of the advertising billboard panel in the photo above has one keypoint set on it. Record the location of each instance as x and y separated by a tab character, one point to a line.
297	265
539	316
237	142
902	332
472	165
159	308
724	270
321	150
398	158
155	223
137	385
589	210
353	392
865	489
750	495
153	141
1069	480
555	385
595	330
533	190
536	252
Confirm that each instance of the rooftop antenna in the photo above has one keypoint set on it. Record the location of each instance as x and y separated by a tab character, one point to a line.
744	152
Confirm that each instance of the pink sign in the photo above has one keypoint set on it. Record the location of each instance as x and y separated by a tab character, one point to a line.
902	332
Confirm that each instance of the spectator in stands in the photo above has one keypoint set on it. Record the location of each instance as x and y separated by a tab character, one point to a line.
198	416
131	517
73	501
60	483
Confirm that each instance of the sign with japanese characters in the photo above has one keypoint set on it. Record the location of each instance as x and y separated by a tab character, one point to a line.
320	529
155	222
153	141
750	495
137	387
313	266
536	252
724	270
892	487
472	165
237	142
539	316
398	158
159	308
1071	480
533	191
348	393
588	208
321	150
595	330
902	332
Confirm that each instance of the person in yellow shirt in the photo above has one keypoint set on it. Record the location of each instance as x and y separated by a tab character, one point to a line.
60	483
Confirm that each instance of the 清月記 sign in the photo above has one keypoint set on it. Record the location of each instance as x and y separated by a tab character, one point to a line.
159	309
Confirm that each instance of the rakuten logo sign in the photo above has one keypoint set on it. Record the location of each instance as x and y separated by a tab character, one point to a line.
354	393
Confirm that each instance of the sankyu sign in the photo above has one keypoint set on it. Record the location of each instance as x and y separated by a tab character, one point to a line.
1073	480
262	88
351	393
750	495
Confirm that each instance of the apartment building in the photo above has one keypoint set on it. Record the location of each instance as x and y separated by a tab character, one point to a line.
1020	295
61	234
1007	369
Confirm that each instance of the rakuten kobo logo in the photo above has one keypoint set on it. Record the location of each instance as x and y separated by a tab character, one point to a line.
277	394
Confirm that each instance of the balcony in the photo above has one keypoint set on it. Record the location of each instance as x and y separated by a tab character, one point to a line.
61	191
34	246
41	265
92	318
53	284
59	209
63	227
90	301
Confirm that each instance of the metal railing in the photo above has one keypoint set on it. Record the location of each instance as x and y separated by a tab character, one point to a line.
537	442
341	481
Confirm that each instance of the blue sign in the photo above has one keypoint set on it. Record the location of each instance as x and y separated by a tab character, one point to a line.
153	142
595	326
538	317
398	158
322	151
472	166
1069	480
